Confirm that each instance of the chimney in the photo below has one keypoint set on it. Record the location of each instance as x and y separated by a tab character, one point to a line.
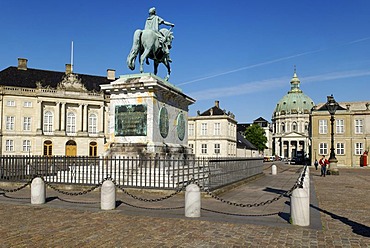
111	74
68	68
217	104
22	64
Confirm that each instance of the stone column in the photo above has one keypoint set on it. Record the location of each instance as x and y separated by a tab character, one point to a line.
80	113
85	118
57	116
63	117
41	112
102	117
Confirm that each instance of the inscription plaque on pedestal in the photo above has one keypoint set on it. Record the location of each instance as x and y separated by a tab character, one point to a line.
130	120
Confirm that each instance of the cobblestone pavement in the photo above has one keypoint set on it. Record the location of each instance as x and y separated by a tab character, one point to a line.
343	204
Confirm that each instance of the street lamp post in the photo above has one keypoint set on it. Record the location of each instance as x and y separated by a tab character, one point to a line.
332	106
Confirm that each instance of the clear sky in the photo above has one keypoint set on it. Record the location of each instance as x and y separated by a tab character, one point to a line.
241	53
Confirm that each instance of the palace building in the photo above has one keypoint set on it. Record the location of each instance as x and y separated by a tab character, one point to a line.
291	123
351	132
213	133
52	113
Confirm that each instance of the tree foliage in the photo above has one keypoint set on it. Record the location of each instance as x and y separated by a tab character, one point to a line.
256	135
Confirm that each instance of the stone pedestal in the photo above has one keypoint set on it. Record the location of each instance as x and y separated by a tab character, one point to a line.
147	118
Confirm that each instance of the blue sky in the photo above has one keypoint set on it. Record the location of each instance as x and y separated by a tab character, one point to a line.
241	53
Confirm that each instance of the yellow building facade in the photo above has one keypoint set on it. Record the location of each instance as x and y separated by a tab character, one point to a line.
351	132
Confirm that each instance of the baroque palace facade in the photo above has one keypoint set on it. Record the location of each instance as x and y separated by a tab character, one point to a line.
52	113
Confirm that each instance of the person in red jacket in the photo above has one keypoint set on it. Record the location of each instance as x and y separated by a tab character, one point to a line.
323	163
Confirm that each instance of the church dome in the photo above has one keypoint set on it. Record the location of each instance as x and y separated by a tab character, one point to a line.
295	102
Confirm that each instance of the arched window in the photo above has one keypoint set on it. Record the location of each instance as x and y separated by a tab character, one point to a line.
283	127
92	124
48	148
71	122
93	149
294	126
48	121
306	126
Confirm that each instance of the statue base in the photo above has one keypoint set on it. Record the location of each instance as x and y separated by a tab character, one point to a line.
147	118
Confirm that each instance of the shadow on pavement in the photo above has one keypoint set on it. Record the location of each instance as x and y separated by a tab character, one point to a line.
357	228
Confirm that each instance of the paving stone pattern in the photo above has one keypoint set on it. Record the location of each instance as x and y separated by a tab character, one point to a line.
343	204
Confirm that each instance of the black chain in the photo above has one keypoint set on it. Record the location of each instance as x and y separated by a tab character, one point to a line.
150	200
299	183
16	189
72	193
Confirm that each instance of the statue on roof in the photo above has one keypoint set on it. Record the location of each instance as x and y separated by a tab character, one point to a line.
152	43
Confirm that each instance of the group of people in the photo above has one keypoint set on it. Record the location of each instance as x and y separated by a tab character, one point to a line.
324	163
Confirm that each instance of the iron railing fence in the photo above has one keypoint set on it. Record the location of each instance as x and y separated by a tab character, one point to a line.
156	173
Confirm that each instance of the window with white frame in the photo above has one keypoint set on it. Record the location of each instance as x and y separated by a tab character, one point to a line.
217	128
340	148
323	148
71	123
48	121
26	145
10	103
203	130
358	126
10	123
323	126
217	148
339	126
27	104
92	124
26	123
191	129
359	148
204	149
9	145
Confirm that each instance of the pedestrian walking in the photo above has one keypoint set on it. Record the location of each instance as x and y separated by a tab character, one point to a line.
323	163
316	164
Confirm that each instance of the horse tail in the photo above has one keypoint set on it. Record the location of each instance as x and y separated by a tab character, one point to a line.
134	50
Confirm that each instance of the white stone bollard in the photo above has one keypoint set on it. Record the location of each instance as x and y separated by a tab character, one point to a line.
300	207
192	201
38	191
108	196
273	170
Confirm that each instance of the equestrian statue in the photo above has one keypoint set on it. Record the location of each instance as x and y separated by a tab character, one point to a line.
152	43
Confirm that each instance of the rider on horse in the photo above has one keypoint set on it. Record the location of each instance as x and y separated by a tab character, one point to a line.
152	23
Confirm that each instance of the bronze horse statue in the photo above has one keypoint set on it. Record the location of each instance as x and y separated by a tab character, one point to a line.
147	44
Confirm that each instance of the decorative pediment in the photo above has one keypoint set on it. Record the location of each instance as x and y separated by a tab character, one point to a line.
71	82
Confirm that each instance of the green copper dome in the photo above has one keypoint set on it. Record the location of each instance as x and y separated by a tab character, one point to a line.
295	102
